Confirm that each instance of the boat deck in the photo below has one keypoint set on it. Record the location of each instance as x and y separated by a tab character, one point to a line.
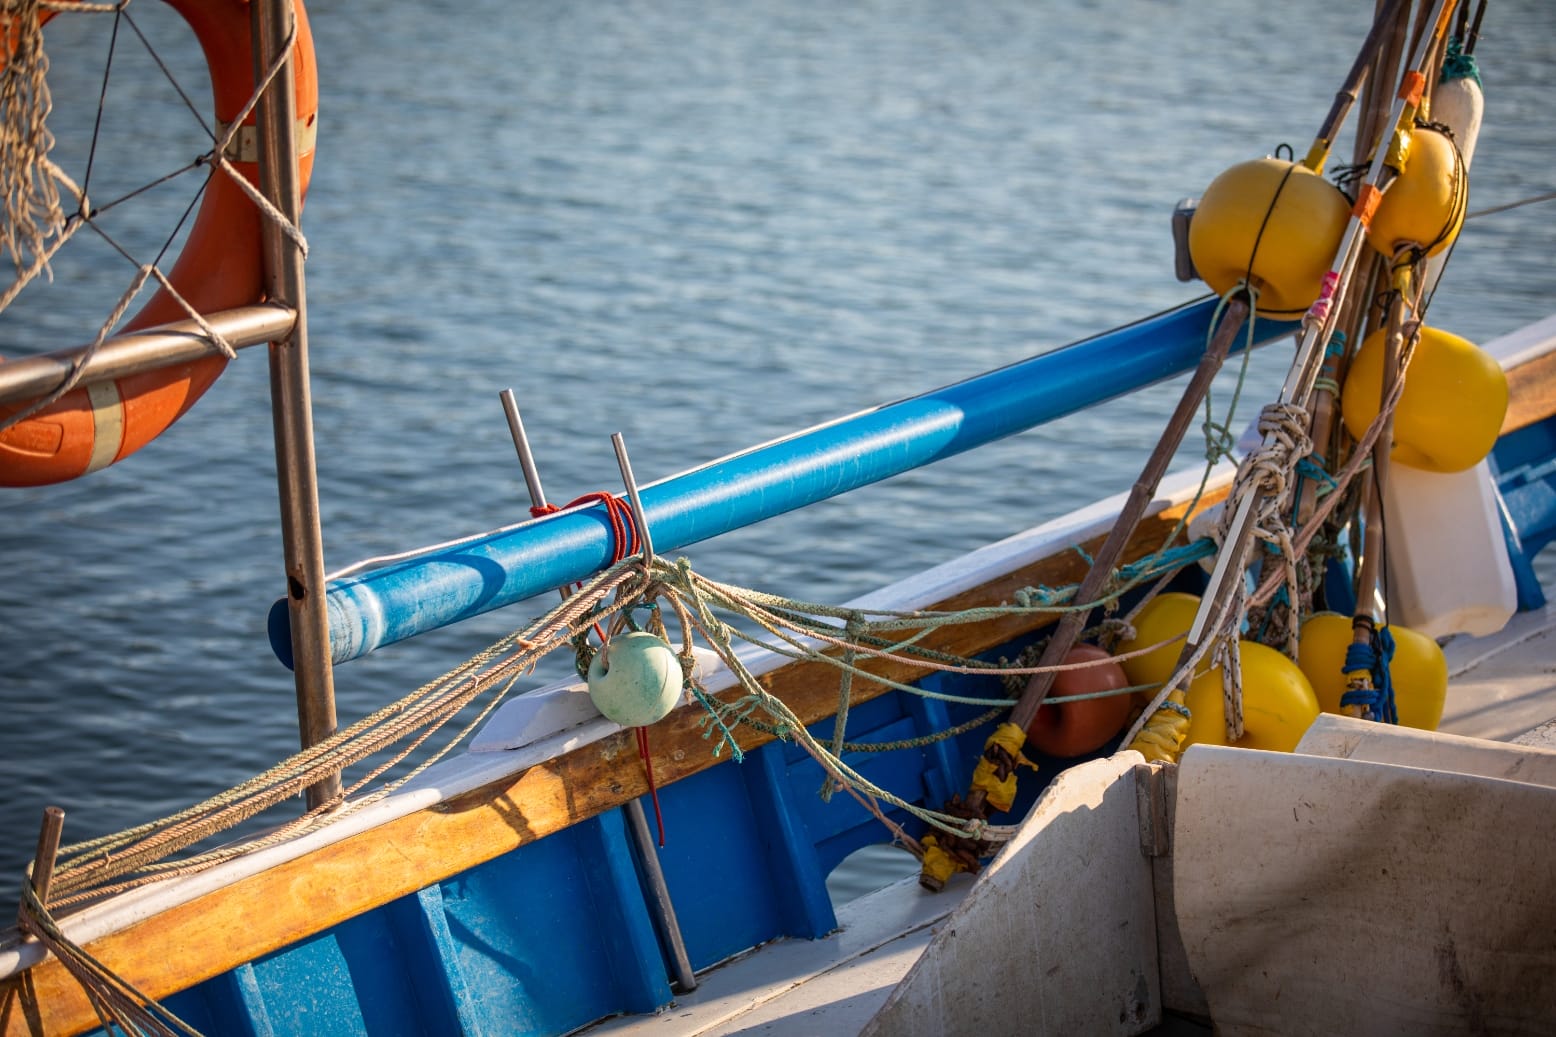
1502	687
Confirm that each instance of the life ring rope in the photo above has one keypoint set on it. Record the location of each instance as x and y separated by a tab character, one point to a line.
228	131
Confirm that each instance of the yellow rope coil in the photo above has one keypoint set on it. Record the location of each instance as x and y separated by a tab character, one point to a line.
1161	741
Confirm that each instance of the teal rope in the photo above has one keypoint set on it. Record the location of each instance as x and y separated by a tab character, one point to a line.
1459	65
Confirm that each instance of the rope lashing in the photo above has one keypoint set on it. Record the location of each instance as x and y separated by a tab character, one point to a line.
28	194
625	541
1161	740
1459	65
1373	657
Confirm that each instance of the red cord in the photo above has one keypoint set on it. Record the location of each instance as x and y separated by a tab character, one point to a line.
653	790
624	531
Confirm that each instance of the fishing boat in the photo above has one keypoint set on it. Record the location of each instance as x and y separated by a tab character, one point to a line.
1212	752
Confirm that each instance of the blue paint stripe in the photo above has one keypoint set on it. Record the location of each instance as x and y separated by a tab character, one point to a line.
441	587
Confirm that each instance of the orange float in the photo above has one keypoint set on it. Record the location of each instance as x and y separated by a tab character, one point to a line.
1067	729
221	267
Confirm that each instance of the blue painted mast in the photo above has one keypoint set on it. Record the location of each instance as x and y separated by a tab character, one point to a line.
443	585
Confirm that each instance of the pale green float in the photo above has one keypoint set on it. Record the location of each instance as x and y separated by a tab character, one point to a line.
635	680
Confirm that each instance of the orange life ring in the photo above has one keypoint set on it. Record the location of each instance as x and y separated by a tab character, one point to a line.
1069	729
220	267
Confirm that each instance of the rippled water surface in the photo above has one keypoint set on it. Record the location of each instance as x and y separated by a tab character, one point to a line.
700	225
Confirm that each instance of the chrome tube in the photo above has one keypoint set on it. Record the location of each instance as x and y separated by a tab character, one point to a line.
180	342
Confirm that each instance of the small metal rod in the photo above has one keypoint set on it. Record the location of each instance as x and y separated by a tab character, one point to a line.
48	850
537	493
632	495
510	407
664	910
637	824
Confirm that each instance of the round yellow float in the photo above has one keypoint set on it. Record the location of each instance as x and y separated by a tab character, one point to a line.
1165	616
1278	702
1276	223
1423	208
1419	672
1452	408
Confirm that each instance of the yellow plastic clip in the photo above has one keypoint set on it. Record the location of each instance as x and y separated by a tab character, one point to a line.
1317	155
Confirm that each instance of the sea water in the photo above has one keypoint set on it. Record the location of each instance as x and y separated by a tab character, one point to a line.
699	225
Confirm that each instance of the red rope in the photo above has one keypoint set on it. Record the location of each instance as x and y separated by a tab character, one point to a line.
653	790
624	531
625	541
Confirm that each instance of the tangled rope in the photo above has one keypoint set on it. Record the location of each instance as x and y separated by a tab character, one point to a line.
31	202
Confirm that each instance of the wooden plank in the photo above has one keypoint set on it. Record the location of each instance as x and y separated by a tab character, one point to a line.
262	913
1531	393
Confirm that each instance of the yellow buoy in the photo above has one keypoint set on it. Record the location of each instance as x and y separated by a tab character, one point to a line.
1452	408
1165	616
1278	702
1423	208
1275	223
1419	671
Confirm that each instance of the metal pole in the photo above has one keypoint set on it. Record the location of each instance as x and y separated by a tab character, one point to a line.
180	342
625	464
664	910
637	822
291	404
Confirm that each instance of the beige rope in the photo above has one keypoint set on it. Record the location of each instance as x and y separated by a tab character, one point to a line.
30	197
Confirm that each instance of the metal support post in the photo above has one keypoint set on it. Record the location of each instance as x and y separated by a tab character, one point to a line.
291	404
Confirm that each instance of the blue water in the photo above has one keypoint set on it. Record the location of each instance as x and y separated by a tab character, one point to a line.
699	225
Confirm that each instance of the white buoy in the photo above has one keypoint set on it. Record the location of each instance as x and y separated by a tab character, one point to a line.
1448	568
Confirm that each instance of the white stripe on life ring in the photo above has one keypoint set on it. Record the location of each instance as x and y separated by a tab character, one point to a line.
107	424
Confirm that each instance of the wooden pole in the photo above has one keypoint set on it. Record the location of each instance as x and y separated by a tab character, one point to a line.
1369	614
1140	495
1382	53
1388	16
48	849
